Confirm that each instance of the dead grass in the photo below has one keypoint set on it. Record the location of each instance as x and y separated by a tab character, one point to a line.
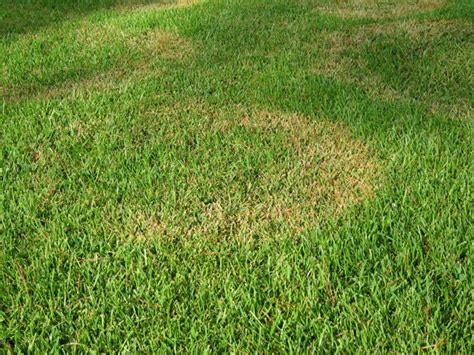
333	166
334	61
324	172
156	6
163	44
148	49
108	80
153	43
340	57
379	9
93	36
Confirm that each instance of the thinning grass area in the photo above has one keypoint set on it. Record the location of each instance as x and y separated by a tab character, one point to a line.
375	57
374	9
245	176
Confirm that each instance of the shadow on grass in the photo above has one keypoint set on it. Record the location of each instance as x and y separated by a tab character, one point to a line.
24	16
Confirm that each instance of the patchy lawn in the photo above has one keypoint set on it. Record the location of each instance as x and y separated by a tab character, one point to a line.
236	176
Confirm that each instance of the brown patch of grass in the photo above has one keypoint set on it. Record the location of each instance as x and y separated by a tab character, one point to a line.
187	2
149	48
108	80
143	227
152	45
414	28
93	36
103	81
377	9
321	171
163	44
154	42
333	166
157	6
339	58
334	62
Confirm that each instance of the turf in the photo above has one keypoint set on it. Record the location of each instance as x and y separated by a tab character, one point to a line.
236	176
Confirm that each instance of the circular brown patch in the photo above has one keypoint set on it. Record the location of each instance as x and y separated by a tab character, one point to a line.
269	174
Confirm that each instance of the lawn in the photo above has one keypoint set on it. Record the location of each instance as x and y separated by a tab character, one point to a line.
236	176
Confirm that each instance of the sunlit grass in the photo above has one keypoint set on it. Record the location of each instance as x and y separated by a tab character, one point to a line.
245	176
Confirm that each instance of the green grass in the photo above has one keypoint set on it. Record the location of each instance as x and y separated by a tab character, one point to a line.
242	176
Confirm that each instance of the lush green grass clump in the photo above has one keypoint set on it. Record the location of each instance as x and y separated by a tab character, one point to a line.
237	176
